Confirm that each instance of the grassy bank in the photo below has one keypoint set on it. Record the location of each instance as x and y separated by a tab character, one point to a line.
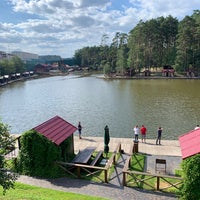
27	192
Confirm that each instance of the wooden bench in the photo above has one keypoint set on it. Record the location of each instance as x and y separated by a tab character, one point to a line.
99	154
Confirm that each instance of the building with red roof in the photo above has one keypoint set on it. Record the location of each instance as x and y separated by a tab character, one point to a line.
60	132
56	129
190	143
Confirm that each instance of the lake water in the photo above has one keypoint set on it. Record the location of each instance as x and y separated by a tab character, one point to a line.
120	104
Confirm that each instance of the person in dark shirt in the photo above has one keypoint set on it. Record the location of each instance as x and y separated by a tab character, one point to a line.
79	130
158	140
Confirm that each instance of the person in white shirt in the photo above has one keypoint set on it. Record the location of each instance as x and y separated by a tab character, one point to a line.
197	127
136	131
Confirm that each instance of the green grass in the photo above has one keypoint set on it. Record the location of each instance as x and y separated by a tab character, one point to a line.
100	173
137	164
179	172
27	192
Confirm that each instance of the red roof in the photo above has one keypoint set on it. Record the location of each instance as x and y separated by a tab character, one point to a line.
56	129
190	143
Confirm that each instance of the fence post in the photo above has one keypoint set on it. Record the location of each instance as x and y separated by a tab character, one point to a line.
114	159
124	178
120	148
106	175
158	183
79	172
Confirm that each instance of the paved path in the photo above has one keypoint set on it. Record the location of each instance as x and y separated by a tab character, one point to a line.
114	189
168	147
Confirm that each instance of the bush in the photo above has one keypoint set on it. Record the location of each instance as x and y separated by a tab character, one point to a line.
37	156
7	178
191	175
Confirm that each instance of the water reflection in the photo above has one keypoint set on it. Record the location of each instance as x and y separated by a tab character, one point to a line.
172	104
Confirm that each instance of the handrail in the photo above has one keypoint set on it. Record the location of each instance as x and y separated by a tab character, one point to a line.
105	168
79	165
126	171
153	174
112	158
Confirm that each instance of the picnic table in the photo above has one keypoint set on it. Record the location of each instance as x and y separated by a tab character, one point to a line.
84	156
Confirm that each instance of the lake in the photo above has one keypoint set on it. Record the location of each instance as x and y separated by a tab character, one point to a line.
96	102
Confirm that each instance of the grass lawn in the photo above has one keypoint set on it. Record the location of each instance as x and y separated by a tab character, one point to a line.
27	192
137	164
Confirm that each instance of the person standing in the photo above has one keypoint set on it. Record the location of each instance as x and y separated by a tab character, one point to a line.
158	140
79	130
143	131
197	127
106	140
136	131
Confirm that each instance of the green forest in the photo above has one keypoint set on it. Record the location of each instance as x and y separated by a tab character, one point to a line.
13	65
155	43
151	44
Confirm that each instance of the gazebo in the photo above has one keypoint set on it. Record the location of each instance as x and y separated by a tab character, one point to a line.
190	143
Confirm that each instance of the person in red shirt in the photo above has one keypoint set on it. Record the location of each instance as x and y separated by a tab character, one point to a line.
143	131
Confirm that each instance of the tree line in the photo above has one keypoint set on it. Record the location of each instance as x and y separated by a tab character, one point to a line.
159	42
155	43
11	66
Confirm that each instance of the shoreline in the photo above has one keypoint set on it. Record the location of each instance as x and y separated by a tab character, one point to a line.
39	76
148	77
167	147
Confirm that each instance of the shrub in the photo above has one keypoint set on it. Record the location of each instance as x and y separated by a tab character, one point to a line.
191	175
37	155
7	178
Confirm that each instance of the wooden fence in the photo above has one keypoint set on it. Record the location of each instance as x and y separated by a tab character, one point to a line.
89	169
131	177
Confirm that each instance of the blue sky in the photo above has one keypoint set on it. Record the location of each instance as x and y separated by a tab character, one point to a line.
59	27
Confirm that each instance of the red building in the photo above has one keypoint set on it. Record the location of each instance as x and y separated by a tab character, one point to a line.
190	143
60	132
168	71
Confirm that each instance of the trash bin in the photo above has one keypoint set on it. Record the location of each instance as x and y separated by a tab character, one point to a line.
135	146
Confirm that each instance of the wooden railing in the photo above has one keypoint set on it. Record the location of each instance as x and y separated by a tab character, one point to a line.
89	169
147	176
131	177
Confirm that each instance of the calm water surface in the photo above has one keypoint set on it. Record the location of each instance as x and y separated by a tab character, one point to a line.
121	104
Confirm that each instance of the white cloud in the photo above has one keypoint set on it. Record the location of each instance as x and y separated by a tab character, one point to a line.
94	3
4	27
62	26
157	8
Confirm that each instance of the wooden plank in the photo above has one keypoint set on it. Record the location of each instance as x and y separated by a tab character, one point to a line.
99	154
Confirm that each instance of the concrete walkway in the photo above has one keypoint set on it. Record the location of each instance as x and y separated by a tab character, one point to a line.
168	147
114	189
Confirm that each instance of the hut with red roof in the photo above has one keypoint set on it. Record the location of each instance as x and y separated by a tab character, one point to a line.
45	144
190	143
58	131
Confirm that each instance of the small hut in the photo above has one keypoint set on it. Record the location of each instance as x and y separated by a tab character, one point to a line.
190	143
45	144
60	132
168	71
